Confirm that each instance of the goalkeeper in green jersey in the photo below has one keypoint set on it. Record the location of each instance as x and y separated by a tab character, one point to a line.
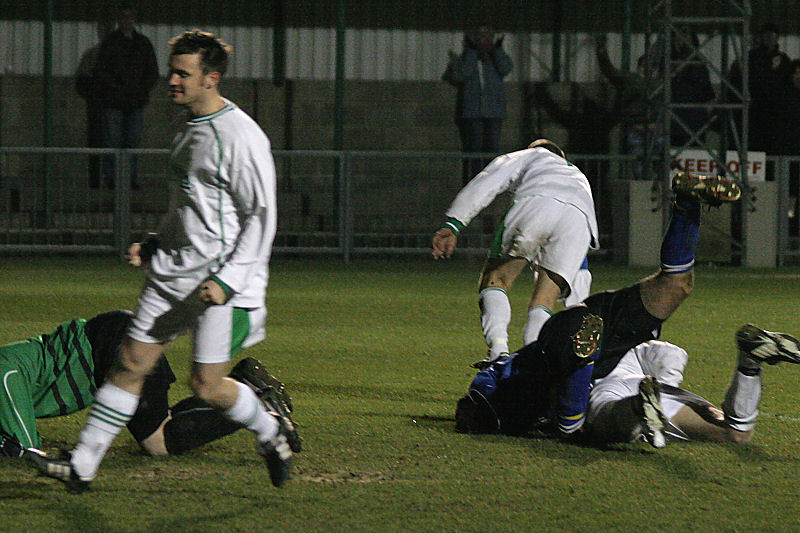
58	373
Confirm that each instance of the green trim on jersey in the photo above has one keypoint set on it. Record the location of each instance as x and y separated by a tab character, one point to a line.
454	224
219	191
240	329
229	106
227	290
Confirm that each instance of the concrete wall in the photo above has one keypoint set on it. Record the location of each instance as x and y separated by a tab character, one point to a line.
410	197
381	115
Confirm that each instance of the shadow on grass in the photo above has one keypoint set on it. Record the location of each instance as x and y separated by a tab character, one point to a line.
29	490
200	522
682	460
69	512
366	392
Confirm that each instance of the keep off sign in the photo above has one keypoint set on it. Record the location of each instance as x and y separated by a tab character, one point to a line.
701	161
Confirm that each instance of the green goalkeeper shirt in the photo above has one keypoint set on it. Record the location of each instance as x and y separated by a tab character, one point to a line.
49	375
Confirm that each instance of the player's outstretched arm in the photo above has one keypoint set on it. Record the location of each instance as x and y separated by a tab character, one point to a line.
444	243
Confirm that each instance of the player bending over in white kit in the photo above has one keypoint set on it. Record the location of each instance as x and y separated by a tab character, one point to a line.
208	268
545	385
645	386
551	225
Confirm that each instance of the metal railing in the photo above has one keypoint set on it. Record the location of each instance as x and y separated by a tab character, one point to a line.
342	203
338	203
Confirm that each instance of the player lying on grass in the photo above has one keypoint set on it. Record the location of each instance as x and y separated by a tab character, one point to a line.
57	374
641	397
549	227
643	390
551	378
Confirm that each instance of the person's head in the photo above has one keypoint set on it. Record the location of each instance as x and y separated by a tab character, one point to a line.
197	62
126	17
104	27
684	42
768	35
483	38
548	145
641	65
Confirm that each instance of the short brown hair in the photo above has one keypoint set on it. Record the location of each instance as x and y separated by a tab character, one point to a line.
214	52
549	145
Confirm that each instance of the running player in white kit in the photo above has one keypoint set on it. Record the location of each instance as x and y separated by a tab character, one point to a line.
551	225
208	268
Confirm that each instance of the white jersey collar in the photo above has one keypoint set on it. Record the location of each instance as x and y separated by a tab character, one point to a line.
229	106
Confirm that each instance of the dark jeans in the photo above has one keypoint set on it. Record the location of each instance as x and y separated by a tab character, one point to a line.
121	129
478	135
94	139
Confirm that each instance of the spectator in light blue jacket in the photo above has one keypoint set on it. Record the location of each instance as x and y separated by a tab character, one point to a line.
481	101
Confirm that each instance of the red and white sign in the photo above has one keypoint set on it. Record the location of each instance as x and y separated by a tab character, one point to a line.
701	162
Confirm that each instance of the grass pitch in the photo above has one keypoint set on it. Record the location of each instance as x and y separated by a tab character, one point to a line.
375	355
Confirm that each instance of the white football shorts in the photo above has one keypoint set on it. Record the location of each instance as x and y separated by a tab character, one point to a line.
548	233
220	331
662	360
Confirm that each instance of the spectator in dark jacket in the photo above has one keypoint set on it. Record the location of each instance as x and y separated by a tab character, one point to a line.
588	123
768	80
481	101
125	73
791	136
87	89
632	107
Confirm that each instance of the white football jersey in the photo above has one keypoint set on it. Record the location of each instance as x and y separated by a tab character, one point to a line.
223	214
529	172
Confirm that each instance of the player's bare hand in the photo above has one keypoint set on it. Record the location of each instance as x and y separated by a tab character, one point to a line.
444	243
211	293
134	255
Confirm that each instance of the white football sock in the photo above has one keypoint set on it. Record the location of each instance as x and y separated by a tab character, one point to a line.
741	401
112	410
251	413
495	317
537	316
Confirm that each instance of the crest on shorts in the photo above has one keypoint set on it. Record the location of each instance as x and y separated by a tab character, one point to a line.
586	340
